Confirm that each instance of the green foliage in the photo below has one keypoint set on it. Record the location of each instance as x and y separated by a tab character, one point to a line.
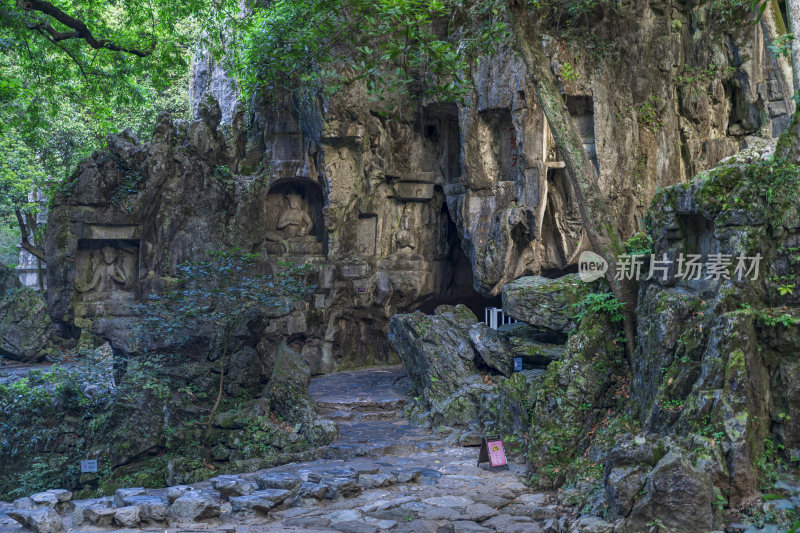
9	237
599	302
43	70
639	244
732	11
768	189
401	49
221	293
782	45
567	73
59	96
33	410
649	112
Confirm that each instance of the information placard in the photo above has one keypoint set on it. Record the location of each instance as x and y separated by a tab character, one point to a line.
492	451
90	465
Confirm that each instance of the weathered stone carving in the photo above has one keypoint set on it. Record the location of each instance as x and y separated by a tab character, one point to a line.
104	270
367	234
294	222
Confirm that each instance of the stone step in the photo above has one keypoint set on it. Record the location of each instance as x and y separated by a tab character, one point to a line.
349	451
362	405
358	416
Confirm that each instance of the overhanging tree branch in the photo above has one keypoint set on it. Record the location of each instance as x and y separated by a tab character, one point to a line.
79	28
24	242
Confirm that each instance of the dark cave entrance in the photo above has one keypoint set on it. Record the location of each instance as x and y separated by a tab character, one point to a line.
453	273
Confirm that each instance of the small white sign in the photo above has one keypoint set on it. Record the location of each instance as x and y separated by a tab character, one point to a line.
89	465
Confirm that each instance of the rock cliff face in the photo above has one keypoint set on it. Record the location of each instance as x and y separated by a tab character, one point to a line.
445	205
703	417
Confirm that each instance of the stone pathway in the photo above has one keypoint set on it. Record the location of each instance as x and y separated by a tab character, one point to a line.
381	475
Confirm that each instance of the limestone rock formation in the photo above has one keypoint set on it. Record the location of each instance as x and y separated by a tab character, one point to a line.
25	325
461	370
447	205
547	305
288	395
715	355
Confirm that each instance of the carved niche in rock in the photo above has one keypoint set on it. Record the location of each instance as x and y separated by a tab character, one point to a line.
367	234
501	155
106	271
294	219
562	228
408	247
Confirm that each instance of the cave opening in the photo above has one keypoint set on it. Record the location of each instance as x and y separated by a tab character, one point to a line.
454	283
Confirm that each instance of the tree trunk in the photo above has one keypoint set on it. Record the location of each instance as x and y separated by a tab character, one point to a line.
24	242
793	13
220	390
595	216
773	26
39	276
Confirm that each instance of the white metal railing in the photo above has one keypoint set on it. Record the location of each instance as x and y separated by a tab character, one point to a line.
494	317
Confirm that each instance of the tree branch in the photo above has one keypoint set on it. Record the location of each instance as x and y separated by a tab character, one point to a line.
79	28
26	245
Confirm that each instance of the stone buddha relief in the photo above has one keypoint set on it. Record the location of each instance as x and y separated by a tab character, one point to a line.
105	270
293	227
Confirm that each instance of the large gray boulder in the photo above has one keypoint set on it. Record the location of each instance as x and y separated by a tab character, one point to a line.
195	505
39	520
436	350
25	326
492	348
678	493
288	396
547	304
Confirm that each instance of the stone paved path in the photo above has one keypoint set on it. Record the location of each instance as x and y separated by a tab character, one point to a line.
381	475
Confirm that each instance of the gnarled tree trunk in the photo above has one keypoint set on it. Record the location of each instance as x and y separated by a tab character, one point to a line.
597	220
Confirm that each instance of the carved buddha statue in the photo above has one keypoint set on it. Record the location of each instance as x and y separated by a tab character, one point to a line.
293	223
106	274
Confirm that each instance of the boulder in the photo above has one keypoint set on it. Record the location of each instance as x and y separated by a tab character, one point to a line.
491	348
342	486
312	490
151	508
288	396
680	495
194	505
229	486
88	510
58	499
39	520
278	480
261	501
25	326
127	516
436	350
626	470
120	495
98	515
173	493
546	304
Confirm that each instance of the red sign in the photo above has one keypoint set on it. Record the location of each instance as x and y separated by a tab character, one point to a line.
492	452
497	455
